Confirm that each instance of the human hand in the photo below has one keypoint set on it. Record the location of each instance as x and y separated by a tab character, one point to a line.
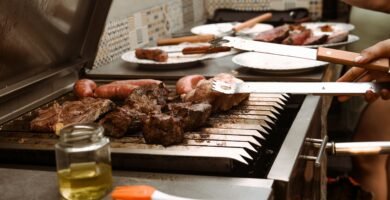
379	50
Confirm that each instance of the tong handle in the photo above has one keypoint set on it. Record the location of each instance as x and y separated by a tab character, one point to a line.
252	22
191	39
204	49
348	58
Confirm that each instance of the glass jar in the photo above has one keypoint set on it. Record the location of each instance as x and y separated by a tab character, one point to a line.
83	162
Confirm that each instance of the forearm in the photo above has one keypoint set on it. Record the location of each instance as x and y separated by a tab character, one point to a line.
378	5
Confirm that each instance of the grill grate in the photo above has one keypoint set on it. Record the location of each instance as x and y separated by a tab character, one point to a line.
231	141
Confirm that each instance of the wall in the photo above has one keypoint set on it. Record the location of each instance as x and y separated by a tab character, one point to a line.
136	23
314	6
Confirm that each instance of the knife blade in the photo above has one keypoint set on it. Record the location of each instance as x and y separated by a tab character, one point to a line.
321	54
315	88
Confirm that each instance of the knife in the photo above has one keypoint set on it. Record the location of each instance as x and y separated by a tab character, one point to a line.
321	54
315	88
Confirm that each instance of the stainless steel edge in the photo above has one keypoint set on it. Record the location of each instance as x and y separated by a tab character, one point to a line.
288	156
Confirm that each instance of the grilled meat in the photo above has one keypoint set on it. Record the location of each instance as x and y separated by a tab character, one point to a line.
143	101
275	35
219	101
192	116
316	40
149	98
297	38
122	120
57	116
163	129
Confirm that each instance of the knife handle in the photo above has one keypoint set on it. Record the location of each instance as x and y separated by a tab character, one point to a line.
348	58
204	49
192	39
252	22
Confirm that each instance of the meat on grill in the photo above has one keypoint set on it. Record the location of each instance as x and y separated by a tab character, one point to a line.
122	120
163	129
149	98
143	101
275	35
57	116
219	101
192	116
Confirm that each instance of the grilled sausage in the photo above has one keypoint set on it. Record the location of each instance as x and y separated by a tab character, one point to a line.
187	83
114	91
138	82
84	88
151	54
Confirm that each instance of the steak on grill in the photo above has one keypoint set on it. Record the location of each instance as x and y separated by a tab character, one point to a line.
192	116
122	120
143	101
163	129
54	118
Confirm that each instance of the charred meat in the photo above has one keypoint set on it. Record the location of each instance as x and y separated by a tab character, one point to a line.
163	129
143	101
122	120
57	116
192	116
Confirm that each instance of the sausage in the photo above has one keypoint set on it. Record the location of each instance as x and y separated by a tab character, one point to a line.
187	83
114	91
138	82
84	88
151	54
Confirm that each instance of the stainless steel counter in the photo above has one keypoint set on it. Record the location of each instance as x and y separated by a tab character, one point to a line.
41	184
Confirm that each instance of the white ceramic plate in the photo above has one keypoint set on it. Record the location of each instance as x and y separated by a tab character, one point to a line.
337	27
218	29
274	63
174	59
351	39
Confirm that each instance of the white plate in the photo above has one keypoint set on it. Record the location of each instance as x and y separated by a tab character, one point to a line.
274	63
351	39
174	59
337	27
218	29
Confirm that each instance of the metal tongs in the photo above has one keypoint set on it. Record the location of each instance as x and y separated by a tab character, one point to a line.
315	88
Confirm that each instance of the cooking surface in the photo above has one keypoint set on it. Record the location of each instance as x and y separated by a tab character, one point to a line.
242	141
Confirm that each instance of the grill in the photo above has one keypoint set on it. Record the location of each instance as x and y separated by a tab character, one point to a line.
243	141
261	140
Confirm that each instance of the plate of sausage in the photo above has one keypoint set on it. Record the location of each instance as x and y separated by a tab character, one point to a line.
311	35
164	57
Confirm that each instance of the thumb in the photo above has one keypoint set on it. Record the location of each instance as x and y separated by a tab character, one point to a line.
379	50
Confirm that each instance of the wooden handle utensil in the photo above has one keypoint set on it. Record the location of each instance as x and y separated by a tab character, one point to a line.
252	22
348	58
192	39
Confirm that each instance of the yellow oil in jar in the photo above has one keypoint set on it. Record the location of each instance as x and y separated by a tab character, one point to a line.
85	181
